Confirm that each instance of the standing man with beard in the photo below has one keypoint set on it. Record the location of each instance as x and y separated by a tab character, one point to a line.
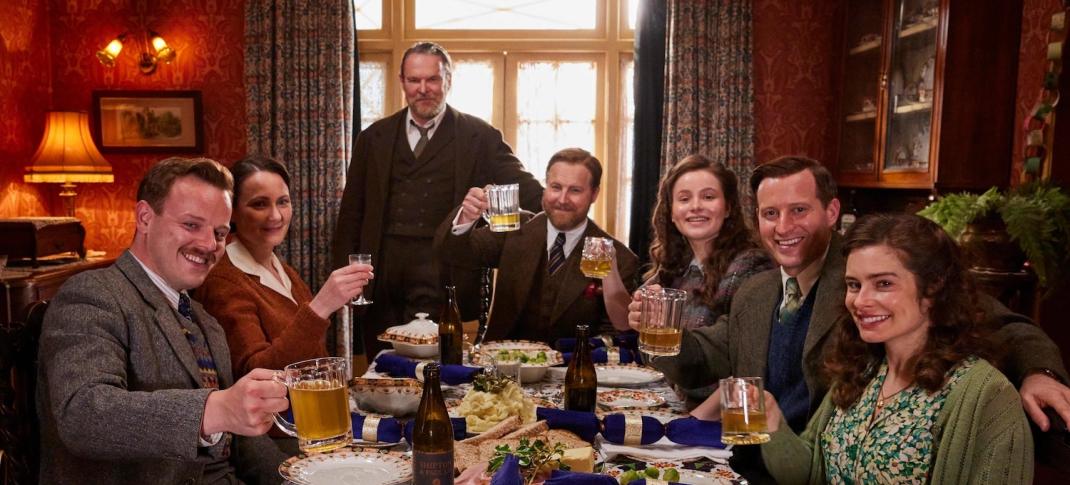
539	296
408	170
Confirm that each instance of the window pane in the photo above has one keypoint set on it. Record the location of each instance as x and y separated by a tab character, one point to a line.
369	14
627	126
506	14
556	108
472	88
633	12
372	92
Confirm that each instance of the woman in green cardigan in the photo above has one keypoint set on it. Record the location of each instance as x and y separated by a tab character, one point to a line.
912	398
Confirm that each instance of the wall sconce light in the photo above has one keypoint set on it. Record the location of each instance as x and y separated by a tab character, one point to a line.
154	51
67	155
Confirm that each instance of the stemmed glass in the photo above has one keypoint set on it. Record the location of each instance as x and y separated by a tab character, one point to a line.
360	259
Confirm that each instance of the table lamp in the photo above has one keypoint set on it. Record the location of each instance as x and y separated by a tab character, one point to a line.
67	155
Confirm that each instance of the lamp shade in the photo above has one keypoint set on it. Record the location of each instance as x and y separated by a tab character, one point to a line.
67	153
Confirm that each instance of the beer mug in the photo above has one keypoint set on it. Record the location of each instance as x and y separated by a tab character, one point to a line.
598	253
659	320
503	211
320	403
743	411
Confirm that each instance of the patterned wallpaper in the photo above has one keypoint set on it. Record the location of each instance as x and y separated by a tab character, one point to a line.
208	35
1036	17
796	64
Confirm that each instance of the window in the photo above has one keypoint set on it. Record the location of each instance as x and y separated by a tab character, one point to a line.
546	80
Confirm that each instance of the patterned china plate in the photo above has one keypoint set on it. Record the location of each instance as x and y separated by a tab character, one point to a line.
348	466
514	345
629	399
700	472
626	375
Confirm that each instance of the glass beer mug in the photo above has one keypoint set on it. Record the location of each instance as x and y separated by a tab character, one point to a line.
503	212
320	403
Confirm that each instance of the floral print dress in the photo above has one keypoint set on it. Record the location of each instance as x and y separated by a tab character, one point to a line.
895	446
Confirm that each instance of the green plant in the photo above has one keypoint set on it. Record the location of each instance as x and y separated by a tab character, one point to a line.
1037	216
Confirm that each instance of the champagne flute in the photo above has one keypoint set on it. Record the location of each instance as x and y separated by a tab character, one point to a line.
360	259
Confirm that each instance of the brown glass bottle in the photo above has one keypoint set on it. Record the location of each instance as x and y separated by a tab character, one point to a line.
432	435
450	331
581	381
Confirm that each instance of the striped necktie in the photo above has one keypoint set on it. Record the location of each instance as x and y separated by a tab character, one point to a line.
422	142
205	362
557	254
792	301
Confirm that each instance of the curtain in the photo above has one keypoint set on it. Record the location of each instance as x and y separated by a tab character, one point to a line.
709	93
649	96
299	80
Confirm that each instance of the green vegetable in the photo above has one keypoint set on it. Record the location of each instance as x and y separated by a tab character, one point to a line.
628	476
532	457
671	475
651	472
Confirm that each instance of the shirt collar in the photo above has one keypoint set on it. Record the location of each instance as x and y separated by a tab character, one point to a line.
437	120
242	259
170	293
572	236
807	277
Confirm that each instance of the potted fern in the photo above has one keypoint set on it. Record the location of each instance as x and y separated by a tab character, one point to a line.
1000	230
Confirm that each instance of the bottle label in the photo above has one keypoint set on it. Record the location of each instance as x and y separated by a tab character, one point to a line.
432	468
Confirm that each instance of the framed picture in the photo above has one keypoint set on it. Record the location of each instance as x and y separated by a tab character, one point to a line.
148	121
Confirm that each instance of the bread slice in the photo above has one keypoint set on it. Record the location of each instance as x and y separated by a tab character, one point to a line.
506	426
465	456
533	429
570	439
486	448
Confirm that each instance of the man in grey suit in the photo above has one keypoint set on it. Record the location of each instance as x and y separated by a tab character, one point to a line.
540	293
135	382
409	170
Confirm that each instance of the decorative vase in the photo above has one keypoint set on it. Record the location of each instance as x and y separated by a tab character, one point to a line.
988	246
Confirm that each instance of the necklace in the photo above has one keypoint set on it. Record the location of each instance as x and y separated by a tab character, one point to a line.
882	399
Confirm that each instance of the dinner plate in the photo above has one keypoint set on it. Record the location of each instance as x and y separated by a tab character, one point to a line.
347	466
359	443
626	375
513	345
700	472
629	399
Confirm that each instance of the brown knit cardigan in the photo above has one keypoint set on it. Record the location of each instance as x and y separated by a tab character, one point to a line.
264	329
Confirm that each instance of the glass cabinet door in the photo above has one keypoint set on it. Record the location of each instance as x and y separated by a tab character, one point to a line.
911	84
861	88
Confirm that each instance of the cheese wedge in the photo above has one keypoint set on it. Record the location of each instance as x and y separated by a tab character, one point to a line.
579	459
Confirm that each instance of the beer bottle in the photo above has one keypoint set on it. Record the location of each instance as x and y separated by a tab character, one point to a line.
432	435
450	331
581	381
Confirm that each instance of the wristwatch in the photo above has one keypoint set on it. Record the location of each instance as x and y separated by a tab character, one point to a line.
1046	371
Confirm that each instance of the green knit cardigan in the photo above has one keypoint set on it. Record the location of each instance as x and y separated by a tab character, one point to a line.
981	437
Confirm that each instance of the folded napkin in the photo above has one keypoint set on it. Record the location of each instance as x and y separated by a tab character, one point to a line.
628	340
694	431
460	431
561	477
663	449
398	366
585	425
508	473
601	355
379	429
632	429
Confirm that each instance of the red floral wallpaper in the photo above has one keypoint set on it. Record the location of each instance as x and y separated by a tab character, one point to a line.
1032	62
796	64
208	35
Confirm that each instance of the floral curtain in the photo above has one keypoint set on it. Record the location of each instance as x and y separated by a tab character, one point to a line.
299	80
708	84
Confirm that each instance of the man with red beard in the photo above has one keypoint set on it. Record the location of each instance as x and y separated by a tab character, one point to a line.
538	296
781	320
135	383
409	169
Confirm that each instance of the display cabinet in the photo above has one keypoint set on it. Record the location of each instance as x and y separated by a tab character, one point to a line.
928	94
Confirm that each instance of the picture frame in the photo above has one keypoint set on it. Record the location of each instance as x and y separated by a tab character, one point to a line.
148	121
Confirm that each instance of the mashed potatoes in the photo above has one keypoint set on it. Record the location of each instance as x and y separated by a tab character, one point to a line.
481	410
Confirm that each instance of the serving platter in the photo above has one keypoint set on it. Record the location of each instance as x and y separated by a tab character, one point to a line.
692	472
626	375
621	399
513	345
348	466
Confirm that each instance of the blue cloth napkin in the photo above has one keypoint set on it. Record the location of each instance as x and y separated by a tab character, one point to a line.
694	432
388	431
561	477
398	366
642	481
653	430
459	429
508	473
601	356
585	425
628	340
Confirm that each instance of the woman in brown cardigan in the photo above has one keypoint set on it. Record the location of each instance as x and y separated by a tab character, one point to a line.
269	314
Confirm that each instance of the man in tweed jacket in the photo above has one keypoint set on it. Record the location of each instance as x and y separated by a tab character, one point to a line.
135	382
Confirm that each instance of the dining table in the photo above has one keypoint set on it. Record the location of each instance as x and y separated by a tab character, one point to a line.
631	388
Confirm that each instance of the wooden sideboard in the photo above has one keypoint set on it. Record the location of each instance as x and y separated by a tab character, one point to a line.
19	287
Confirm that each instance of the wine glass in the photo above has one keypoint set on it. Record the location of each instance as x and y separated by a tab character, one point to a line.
360	259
